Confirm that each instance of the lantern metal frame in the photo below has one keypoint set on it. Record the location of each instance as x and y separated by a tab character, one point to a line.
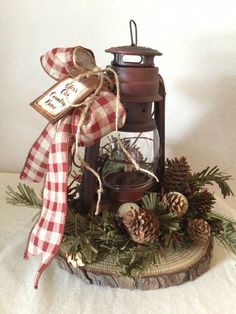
142	90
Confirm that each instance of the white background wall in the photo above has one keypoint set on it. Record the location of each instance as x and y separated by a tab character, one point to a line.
198	39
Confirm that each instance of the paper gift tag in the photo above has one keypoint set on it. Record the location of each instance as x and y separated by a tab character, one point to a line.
54	104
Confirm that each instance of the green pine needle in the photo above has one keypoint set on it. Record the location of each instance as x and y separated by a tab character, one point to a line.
208	176
223	229
151	201
223	218
25	196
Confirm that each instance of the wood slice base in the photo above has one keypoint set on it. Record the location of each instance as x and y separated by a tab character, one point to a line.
176	268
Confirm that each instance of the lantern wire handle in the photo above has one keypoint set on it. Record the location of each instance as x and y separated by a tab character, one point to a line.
131	33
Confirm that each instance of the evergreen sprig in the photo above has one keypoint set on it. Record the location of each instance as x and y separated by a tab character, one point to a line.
223	229
221	217
208	176
100	237
24	196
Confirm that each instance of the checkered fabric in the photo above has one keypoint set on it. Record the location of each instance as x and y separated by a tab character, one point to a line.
50	155
57	62
46	235
37	160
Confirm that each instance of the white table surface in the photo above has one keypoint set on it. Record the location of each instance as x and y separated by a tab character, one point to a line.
60	292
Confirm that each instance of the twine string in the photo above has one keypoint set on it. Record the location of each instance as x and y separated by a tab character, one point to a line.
101	75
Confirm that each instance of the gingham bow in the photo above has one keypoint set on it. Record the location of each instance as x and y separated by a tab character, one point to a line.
50	155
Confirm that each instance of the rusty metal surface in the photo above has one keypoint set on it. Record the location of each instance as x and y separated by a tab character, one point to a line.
134	50
137	84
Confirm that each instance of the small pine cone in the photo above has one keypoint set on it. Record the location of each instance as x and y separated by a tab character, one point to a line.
202	202
142	225
199	230
175	203
177	175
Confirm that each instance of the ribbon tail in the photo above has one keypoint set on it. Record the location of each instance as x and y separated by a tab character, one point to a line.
44	265
46	235
37	160
26	255
47	259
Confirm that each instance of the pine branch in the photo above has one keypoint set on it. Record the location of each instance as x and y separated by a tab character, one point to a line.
221	217
228	240
208	176
25	196
100	237
223	228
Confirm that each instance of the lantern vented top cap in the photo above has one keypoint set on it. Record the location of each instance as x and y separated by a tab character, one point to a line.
134	49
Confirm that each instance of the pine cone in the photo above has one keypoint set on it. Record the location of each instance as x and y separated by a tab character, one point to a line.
202	202
142	225
199	230
176	203
177	175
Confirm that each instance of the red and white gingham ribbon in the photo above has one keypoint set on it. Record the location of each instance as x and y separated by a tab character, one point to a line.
49	156
57	62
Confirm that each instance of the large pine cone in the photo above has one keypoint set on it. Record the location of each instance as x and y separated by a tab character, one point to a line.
142	225
202	202
199	230
177	175
175	203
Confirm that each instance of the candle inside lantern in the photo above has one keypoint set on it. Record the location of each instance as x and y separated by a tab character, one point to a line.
119	174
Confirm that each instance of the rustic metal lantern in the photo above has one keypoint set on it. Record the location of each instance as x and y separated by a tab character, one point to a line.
143	96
